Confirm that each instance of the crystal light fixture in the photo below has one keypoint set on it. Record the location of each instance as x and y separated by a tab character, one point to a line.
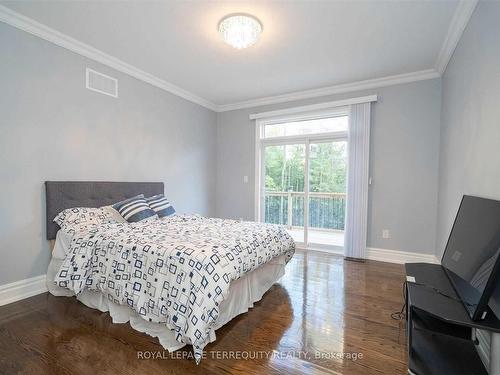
240	30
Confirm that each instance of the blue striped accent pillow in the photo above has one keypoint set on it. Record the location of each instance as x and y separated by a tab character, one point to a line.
135	209
160	205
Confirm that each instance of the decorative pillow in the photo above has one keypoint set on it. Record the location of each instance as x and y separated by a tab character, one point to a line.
135	209
86	215
160	205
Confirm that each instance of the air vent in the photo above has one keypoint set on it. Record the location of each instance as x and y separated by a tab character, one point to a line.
101	83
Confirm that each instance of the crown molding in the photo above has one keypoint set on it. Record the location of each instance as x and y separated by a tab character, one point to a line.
40	30
457	27
458	24
336	89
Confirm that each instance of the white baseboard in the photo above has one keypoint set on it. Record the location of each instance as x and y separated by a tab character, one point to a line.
382	255
335	250
396	256
22	289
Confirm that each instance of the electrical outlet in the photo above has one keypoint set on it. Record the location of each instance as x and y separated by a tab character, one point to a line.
386	233
245	179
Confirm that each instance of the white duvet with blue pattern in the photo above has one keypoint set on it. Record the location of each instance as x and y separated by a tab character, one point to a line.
175	271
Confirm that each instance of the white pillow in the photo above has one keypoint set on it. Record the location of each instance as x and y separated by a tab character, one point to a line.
114	215
88	216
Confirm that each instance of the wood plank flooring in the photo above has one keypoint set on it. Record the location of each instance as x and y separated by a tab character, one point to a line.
323	310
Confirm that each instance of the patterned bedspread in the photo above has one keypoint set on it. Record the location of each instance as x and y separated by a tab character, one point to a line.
175	271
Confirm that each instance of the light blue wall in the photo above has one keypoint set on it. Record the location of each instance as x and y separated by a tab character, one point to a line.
404	163
470	123
52	128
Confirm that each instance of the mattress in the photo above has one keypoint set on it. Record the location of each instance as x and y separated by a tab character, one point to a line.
242	295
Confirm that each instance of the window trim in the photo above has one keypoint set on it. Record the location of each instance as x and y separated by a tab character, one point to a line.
333	112
301	138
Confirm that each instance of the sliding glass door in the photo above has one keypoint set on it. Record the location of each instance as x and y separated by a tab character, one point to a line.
302	170
283	190
327	193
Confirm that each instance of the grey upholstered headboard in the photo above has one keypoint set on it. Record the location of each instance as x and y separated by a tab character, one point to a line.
66	194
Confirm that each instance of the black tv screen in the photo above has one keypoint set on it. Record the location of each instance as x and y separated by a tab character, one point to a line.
471	258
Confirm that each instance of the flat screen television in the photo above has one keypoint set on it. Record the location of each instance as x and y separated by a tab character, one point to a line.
472	256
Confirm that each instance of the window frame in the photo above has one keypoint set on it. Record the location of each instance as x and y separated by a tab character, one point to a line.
316	115
261	141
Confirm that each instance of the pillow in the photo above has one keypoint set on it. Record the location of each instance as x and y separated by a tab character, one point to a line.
135	209
114	215
160	205
86	215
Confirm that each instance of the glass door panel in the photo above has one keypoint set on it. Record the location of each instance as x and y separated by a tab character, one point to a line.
327	193
284	187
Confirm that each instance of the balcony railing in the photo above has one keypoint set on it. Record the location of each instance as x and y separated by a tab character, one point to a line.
326	210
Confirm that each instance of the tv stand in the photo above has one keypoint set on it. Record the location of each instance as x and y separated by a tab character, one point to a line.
439	329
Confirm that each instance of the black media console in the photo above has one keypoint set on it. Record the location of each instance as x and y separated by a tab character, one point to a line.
439	329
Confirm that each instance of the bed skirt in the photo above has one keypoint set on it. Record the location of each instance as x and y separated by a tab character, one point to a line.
243	293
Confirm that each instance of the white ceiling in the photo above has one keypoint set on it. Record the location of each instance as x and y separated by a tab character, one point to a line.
304	45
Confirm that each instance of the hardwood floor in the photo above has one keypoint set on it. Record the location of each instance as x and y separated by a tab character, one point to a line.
323	307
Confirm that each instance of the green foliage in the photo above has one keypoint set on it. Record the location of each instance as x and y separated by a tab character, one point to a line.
285	168
328	167
284	171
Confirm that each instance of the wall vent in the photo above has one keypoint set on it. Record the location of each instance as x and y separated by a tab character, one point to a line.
101	83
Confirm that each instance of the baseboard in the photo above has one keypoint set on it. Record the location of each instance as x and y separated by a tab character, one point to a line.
396	256
382	255
335	250
22	289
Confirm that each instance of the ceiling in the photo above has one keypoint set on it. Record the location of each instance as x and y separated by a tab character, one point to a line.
305	45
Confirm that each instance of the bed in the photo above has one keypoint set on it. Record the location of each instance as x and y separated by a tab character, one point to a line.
178	278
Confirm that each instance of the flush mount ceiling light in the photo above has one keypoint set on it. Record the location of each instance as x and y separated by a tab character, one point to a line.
240	30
